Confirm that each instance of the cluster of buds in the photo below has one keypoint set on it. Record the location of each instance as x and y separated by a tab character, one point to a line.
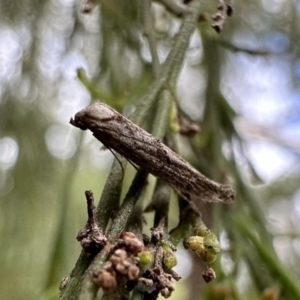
155	281
130	243
206	246
158	279
121	267
124	264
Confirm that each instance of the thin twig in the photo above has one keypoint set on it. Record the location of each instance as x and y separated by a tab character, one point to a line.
187	216
234	48
110	198
65	196
90	86
128	205
149	32
160	202
282	275
161	120
174	8
91	237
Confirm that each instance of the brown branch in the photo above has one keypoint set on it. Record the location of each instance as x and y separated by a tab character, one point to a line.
91	236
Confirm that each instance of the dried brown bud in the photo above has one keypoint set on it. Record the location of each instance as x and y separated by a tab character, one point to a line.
118	256
146	285
127	235
209	275
165	292
134	245
121	269
133	272
105	279
187	128
121	253
128	262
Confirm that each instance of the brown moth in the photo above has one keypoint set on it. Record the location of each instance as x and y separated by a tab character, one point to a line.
118	133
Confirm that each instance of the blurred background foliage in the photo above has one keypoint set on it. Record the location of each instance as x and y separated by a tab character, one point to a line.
241	87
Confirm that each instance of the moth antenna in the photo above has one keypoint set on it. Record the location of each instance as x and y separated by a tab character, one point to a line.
133	164
116	157
186	198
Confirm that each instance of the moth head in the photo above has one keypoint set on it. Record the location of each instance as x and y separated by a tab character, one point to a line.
78	123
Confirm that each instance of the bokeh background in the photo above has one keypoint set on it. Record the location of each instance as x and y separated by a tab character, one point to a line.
46	164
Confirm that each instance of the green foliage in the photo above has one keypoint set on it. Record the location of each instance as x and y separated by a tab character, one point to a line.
42	203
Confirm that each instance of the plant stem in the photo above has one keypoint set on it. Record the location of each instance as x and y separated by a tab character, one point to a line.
288	284
149	32
128	205
174	59
110	198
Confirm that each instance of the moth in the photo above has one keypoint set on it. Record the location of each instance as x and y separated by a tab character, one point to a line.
118	133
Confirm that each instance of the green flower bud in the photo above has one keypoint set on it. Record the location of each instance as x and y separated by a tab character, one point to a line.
202	230
170	260
195	243
146	257
207	256
211	243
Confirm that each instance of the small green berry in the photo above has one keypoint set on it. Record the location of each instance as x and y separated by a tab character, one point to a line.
146	257
195	243
211	243
170	260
